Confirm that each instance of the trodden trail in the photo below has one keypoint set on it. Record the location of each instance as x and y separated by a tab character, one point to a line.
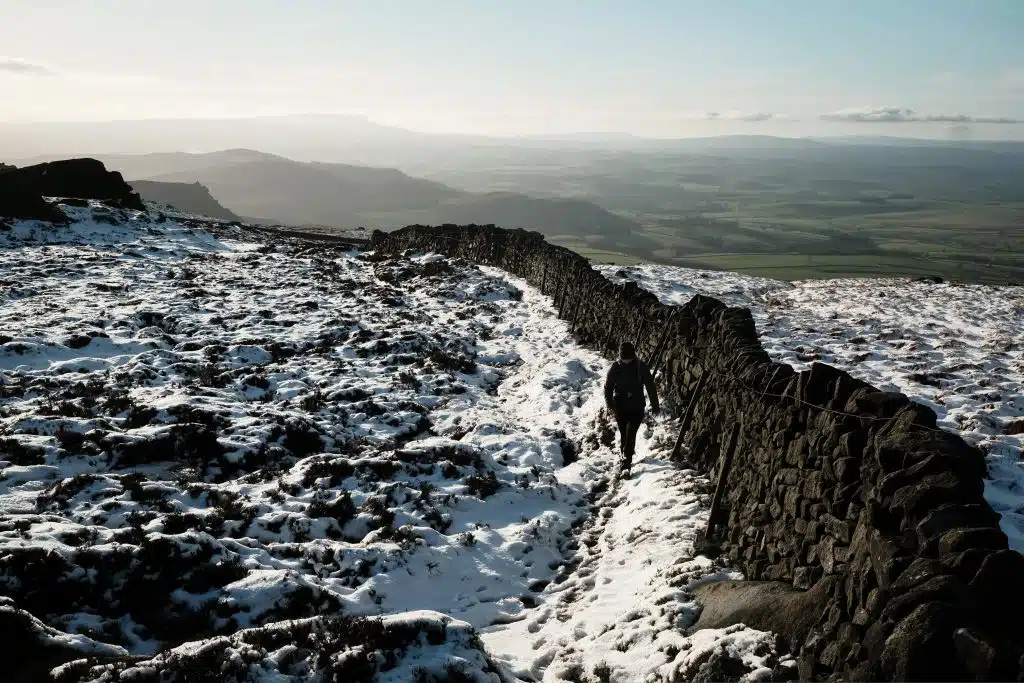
621	612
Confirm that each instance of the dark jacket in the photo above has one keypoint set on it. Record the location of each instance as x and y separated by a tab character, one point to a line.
624	387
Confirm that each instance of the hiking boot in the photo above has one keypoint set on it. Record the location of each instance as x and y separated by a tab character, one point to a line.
625	465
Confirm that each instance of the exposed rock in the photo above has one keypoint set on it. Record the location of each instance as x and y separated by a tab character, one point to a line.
950	515
921	646
999	588
961	539
16	202
764	605
979	657
79	178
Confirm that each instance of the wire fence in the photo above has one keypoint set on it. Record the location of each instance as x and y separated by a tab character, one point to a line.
763	393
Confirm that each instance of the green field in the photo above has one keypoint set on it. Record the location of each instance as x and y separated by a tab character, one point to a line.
824	266
957	242
602	255
818	266
960	243
795	213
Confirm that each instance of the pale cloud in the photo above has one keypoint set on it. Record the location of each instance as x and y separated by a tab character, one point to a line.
20	67
742	116
907	115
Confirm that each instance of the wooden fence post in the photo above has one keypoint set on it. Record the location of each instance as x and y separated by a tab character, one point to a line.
691	407
723	478
609	339
580	298
639	333
660	348
560	299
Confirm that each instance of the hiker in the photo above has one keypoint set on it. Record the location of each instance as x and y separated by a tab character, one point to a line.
624	396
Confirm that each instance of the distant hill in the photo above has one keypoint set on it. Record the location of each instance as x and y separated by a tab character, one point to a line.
142	136
190	197
272	188
358	140
738	142
297	193
1003	146
554	217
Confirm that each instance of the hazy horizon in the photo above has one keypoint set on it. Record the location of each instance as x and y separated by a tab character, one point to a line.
901	132
655	69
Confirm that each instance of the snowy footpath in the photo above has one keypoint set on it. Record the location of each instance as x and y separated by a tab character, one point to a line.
622	612
282	461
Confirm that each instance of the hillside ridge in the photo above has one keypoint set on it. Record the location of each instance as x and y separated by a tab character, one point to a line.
192	198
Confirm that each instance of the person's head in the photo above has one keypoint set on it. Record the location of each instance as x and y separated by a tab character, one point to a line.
626	351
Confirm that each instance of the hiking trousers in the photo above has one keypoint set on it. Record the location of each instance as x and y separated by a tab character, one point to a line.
629	424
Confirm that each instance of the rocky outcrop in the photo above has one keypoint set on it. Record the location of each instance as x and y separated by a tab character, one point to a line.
827	483
22	189
15	202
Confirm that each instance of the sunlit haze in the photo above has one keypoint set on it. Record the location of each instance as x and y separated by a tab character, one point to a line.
924	68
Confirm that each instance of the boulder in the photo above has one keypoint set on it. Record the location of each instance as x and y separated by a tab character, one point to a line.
765	605
16	202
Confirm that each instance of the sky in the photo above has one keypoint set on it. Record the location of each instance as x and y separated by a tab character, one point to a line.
659	68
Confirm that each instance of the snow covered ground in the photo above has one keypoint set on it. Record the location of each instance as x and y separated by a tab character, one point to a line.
620	615
239	452
958	349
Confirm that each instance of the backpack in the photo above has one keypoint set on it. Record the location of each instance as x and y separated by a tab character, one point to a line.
629	386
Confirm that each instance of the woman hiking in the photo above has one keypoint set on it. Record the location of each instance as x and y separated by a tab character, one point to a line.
624	396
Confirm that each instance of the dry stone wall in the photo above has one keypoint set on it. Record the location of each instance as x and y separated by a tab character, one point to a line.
825	480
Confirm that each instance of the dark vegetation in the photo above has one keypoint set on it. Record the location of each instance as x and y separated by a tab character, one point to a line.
787	211
336	648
